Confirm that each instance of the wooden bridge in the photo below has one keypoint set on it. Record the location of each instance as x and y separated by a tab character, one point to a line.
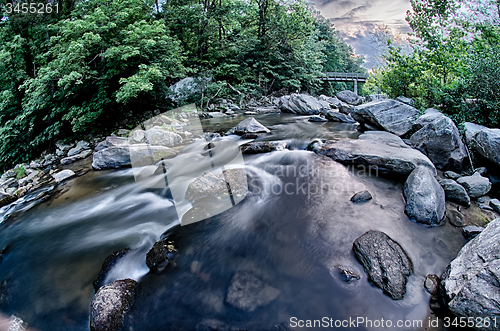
345	77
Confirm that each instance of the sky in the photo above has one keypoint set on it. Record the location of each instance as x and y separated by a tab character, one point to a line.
354	19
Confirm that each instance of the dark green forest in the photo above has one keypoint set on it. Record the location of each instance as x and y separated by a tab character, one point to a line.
77	71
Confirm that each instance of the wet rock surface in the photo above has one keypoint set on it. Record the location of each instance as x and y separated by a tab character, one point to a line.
161	254
385	261
111	304
389	115
336	116
247	292
470	284
471	231
383	150
361	197
249	125
106	267
209	184
257	147
63	175
302	104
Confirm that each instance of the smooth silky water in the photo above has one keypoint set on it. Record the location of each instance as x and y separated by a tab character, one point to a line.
293	240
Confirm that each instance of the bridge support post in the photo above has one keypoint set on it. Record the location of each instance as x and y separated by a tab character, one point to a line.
356	86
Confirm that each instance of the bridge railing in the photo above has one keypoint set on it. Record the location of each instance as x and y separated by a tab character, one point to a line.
346	75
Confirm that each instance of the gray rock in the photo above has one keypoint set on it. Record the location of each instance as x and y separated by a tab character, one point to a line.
11	182
471	231
455	192
431	284
383	151
279	145
452	175
408	101
137	137
350	97
475	185
439	139
71	159
248	293
257	147
425	198
345	108
389	115
375	97
487	144
250	125
63	175
106	267
111	141
316	118
64	147
315	146
360	197
336	116
334	102
386	263
183	89
495	204
302	104
122	132
111	304
482	171
470	131
80	146
35	164
470	285
158	137
123	156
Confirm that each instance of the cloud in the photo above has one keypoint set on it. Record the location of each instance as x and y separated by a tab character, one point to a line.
355	19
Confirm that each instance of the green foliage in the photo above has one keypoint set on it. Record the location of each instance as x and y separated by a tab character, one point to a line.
454	64
20	172
80	71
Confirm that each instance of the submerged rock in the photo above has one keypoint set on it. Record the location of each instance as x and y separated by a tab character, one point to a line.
389	115
160	255
425	198
106	267
470	285
384	151
350	97
386	263
455	192
439	139
248	293
111	304
361	197
475	185
209	185
123	156
431	284
348	275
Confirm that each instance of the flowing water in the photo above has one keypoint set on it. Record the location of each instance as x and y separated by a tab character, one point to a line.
293	231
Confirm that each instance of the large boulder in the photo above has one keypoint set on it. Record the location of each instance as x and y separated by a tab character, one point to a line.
184	89
248	292
439	139
470	130
111	141
385	152
487	144
74	158
336	116
122	156
475	185
470	285
350	97
158	137
425	198
385	261
406	100
106	267
389	115
302	104
455	192
111	304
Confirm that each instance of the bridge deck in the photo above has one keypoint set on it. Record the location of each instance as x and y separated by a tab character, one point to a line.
344	76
